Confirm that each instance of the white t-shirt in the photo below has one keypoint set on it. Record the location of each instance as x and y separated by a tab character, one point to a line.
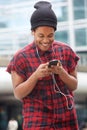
12	125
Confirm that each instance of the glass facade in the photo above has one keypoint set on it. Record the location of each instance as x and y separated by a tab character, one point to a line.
9	2
62	36
83	59
62	13
80	9
15	30
81	37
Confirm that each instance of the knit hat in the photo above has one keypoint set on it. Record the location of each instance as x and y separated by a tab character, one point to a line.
43	15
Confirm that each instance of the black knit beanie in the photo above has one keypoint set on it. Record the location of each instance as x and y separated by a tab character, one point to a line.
43	15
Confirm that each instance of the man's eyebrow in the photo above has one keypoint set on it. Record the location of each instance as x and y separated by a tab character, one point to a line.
41	34
48	34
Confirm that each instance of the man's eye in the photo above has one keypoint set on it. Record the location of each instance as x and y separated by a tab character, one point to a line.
50	36
41	36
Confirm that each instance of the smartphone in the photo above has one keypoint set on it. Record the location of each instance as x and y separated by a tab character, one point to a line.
52	62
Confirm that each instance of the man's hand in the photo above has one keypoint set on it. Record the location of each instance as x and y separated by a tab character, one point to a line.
57	69
42	71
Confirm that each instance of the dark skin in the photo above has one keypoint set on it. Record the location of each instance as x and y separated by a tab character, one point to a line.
43	37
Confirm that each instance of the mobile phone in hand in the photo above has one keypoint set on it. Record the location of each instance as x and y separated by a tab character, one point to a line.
53	62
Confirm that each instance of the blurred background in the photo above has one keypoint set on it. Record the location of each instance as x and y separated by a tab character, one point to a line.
15	33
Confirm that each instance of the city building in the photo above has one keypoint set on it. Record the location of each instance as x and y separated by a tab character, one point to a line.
15	33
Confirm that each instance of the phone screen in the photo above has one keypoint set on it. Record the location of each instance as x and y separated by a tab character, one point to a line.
53	62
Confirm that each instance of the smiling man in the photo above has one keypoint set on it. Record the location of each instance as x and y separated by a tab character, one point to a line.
46	92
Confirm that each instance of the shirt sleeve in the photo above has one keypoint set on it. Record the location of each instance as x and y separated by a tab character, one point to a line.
18	64
72	61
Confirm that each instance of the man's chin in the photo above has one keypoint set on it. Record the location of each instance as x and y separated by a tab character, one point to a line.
44	48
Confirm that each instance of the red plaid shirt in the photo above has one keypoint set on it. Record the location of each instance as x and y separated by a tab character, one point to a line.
43	109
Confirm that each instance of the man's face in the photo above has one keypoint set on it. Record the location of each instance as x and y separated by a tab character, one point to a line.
44	37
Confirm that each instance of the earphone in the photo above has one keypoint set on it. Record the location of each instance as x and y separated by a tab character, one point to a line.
59	91
55	85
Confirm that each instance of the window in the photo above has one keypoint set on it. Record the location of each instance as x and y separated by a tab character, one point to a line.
62	36
80	9
62	13
2	25
83	58
19	20
59	0
4	2
4	20
81	37
7	2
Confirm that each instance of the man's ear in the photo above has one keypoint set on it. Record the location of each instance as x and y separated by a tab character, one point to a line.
32	32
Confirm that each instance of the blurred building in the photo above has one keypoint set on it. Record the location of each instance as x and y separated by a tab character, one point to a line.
15	33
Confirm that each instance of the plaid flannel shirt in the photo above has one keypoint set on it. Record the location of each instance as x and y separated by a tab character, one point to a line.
43	109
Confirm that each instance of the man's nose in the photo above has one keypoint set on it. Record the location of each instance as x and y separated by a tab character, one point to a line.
45	40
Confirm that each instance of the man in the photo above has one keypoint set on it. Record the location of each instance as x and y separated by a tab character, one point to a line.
46	92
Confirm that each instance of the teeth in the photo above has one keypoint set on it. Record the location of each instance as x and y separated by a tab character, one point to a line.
45	44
